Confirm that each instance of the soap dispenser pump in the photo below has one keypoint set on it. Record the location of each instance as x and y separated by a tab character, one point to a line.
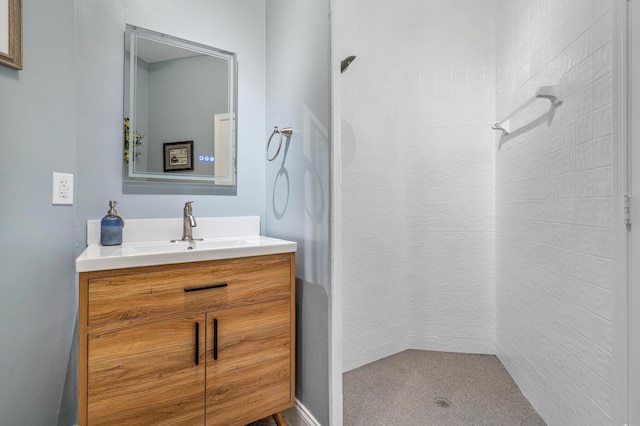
111	227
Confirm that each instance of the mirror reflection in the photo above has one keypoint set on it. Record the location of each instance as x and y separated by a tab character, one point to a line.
179	113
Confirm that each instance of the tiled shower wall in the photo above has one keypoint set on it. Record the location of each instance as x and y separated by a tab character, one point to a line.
554	207
417	177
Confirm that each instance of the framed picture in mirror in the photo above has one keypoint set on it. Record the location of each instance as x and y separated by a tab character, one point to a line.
178	156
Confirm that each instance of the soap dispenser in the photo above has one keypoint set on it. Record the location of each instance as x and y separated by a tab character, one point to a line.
111	227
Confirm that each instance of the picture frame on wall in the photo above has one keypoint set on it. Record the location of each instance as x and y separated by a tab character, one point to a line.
178	156
11	33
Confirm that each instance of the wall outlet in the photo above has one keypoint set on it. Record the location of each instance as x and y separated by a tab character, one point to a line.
62	188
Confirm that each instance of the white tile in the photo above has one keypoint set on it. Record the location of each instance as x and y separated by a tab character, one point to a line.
603	243
603	182
584	212
602	91
584	156
603	152
584	184
584	100
602	122
603	209
602	63
429	223
584	128
602	303
603	273
555	239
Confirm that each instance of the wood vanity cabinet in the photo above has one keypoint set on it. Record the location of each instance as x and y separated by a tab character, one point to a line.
187	344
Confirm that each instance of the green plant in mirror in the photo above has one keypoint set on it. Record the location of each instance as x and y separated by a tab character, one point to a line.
137	140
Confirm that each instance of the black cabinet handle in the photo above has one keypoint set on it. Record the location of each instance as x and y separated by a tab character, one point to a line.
205	287
215	339
197	343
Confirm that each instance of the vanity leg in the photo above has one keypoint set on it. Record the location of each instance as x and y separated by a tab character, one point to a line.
280	420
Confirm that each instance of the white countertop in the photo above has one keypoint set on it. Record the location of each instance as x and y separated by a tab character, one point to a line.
146	242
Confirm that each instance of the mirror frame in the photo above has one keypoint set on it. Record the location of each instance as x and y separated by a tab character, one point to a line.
143	183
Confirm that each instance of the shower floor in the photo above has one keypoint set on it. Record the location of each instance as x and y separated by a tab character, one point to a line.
435	388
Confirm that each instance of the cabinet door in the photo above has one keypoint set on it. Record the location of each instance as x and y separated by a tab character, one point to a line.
249	363
150	374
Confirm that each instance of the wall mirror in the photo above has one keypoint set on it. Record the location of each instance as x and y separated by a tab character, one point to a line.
180	113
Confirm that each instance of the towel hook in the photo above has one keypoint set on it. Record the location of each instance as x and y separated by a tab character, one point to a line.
285	132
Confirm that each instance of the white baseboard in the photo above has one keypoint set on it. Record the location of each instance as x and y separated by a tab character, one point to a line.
300	416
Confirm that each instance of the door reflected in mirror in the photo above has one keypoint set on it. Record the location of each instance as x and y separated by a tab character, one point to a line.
178	94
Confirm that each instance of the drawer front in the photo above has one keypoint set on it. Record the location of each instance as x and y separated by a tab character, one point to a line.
220	286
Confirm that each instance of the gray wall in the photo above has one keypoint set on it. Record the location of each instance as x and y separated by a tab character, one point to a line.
63	113
232	25
297	183
37	290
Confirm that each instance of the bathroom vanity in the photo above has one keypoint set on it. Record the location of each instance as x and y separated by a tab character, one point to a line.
170	334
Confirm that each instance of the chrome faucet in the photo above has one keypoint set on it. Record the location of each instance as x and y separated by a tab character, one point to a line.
188	223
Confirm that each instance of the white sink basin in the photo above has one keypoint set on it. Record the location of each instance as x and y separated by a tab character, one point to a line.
178	246
147	253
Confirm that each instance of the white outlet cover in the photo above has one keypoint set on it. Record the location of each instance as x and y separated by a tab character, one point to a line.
62	189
